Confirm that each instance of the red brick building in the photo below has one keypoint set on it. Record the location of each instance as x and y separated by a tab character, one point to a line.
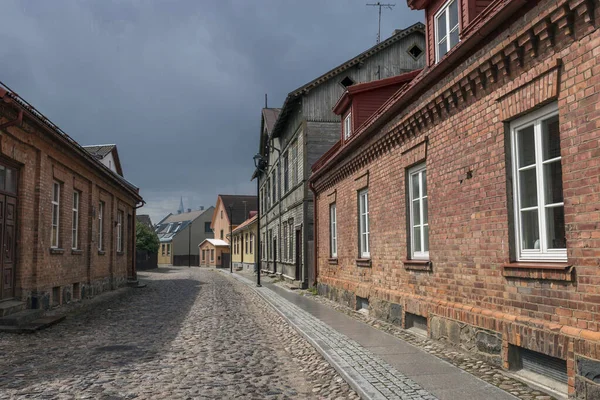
468	203
66	220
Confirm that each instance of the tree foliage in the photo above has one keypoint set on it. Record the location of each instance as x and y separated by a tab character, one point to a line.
146	239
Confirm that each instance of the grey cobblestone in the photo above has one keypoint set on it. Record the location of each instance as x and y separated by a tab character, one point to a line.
387	381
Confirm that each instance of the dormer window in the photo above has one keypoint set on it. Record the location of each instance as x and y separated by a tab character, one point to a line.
446	28
348	126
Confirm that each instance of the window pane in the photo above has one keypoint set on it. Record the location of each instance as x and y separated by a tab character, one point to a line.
553	182
453	11
2	177
441	25
74	220
54	214
528	188
526	146
417	239
415	186
555	228
551	138
426	238
442	48
425	214
530	230
11	185
424	182
416	212
453	38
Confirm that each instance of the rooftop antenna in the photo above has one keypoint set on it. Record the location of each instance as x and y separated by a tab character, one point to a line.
378	4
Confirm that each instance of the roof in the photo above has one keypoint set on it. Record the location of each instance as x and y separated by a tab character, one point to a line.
245	224
144	219
9	96
242	205
170	226
215	242
186	216
270	117
344	100
100	150
292	96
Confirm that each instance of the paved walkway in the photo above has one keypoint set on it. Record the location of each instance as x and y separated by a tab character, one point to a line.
376	364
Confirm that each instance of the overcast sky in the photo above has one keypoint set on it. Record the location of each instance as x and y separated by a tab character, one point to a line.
178	85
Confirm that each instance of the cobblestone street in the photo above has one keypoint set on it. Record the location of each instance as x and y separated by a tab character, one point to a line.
192	333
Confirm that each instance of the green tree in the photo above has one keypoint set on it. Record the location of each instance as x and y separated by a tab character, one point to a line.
146	239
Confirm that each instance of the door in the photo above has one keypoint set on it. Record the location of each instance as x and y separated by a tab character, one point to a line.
298	253
274	256
8	228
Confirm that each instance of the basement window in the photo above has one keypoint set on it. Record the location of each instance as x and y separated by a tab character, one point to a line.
539	368
347	81
415	51
362	304
415	323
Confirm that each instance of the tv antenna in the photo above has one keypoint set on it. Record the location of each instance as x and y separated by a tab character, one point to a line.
378	4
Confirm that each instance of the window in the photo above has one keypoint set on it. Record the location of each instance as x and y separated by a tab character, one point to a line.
212	255
162	249
295	163
207	227
270	244
268	192
538	190
168	249
286	172
347	81
363	225
415	51
221	233
279	180
291	239
119	231
252	243
348	126
75	227
101	225
55	214
247	240
262	250
274	185
221	214
203	255
419	217
446	28
333	230
285	241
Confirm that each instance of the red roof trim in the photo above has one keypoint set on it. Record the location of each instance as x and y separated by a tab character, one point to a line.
418	4
345	101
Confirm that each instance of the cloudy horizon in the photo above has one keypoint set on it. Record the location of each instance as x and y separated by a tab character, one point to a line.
178	85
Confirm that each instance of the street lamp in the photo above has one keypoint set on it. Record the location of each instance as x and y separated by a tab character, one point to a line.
261	164
230	238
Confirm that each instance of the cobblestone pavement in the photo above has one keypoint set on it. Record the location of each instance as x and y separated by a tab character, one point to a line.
463	360
191	334
379	378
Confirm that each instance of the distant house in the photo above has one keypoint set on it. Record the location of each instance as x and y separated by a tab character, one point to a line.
180	234
144	219
214	253
230	211
243	244
107	154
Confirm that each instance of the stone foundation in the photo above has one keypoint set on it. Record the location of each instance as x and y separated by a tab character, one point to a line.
341	296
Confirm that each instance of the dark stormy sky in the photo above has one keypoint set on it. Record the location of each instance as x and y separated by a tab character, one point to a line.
178	85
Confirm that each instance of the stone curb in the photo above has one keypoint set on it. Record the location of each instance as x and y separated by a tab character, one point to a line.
360	385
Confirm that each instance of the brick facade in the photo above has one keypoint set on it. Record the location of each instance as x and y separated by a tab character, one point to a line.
455	118
47	275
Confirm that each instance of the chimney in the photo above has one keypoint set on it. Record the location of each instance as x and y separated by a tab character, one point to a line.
189	210
201	208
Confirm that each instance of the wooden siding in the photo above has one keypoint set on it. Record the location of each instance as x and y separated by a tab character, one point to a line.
318	103
365	104
320	136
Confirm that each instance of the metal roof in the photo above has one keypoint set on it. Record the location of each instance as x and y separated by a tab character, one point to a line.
215	242
100	150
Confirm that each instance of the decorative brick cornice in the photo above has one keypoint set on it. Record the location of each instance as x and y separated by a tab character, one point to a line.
505	60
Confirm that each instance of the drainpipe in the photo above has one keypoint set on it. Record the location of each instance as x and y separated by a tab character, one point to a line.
315	230
134	243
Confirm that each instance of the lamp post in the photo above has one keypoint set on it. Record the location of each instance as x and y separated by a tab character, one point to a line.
260	163
230	238
190	246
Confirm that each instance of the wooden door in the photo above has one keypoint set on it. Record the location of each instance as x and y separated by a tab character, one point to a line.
298	253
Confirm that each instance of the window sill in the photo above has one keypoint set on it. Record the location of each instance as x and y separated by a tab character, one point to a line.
363	262
101	252
56	250
333	261
76	252
417	265
541	271
120	253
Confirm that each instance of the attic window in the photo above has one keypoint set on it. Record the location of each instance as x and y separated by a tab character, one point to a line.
347	81
415	51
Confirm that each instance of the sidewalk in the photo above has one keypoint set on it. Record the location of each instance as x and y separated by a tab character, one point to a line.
376	364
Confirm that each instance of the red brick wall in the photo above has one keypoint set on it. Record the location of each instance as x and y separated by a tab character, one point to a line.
42	160
470	224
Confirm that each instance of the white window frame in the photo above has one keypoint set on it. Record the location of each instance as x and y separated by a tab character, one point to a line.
419	170
363	224
252	243
544	253
55	223
100	226
119	231
448	30
333	230
75	228
291	234
348	126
